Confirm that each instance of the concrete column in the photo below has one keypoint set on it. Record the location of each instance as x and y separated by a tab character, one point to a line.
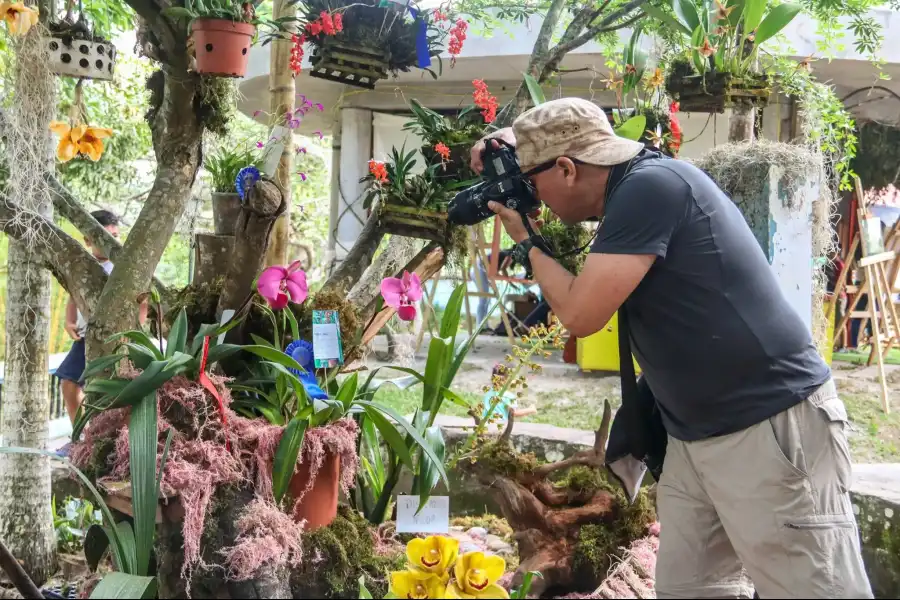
354	149
334	206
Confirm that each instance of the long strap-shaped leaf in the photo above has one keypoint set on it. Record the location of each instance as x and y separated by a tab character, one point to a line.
142	443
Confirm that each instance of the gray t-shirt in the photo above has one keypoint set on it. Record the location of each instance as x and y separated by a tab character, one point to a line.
718	343
81	322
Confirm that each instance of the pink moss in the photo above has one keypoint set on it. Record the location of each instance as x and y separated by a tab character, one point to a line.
198	463
267	537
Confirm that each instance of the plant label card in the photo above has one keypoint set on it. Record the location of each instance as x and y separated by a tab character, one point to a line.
274	148
327	348
433	518
226	316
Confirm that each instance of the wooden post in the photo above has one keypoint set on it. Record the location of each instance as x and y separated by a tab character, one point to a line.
281	90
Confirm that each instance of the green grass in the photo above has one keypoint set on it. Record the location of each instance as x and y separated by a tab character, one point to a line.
407	401
861	356
876	436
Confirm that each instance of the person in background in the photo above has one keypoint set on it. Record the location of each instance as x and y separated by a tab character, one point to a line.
69	372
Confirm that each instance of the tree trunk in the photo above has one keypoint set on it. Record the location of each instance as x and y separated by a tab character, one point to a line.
177	136
26	523
740	125
281	88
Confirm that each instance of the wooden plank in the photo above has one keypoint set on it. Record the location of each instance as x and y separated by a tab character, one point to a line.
877	258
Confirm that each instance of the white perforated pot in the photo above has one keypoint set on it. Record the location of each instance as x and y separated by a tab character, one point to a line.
81	58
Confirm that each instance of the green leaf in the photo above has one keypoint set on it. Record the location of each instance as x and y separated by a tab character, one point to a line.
125	554
735	15
95	544
292	321
636	57
100	365
274	355
221	352
141	356
391	435
452	313
156	374
436	364
138	337
142	446
753	14
455	398
666	19
428	475
411	432
347	392
177	335
697	42
363	591
777	19
534	89
686	12
633	128
286	456
262	342
525	588
162	459
122	585
370	450
106	387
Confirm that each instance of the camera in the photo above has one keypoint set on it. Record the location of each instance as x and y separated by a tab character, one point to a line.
502	182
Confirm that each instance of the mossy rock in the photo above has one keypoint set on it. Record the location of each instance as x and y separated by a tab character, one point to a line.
336	556
600	543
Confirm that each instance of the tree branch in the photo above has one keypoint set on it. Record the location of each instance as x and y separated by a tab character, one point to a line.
69	207
603	26
151	12
67	259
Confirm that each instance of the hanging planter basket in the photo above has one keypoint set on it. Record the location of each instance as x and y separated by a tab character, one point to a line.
74	52
350	64
222	46
455	168
410	221
716	91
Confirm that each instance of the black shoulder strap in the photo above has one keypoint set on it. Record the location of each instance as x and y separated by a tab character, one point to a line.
626	363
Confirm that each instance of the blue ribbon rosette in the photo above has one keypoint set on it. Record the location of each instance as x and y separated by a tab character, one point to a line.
302	352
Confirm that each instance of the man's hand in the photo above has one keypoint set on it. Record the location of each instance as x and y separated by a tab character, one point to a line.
477	151
72	330
512	221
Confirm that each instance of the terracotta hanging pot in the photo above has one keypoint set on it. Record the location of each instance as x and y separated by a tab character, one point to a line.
222	47
318	507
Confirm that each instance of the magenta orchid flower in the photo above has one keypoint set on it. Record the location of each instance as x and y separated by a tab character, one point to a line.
402	294
279	284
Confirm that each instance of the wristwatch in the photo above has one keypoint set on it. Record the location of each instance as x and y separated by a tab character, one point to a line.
521	251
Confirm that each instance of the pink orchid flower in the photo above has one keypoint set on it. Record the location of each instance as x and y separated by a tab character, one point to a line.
279	284
402	293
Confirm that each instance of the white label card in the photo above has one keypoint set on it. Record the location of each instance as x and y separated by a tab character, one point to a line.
433	518
325	341
226	316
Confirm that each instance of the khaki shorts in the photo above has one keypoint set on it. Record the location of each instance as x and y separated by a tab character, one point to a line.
769	504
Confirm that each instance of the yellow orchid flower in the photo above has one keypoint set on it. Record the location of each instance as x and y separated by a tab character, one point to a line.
417	584
435	554
92	142
19	18
476	577
80	139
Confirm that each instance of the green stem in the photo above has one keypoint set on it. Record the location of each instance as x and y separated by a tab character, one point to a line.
379	515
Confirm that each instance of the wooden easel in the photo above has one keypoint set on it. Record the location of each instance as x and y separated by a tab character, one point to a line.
879	288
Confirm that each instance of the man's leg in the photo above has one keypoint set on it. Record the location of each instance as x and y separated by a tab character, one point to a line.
69	372
781	489
696	560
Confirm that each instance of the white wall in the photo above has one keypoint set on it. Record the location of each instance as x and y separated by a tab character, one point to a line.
388	133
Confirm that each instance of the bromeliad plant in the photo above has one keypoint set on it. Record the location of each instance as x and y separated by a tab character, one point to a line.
393	182
224	163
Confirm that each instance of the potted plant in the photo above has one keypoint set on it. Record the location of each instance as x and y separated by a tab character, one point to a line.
358	42
447	139
222	32
317	453
718	68
223	166
413	205
75	50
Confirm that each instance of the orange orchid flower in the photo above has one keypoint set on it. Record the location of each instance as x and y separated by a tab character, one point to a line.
706	49
80	139
18	17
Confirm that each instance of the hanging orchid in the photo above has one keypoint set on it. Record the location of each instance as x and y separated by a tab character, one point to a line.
80	139
18	17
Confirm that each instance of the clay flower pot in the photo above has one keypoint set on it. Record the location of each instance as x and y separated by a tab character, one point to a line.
222	47
318	507
226	210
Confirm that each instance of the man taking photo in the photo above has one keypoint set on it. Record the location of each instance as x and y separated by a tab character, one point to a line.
757	470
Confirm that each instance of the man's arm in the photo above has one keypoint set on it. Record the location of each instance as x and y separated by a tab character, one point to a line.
584	304
142	312
72	320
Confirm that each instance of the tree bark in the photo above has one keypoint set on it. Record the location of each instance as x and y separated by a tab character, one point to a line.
741	124
281	90
358	259
177	135
26	523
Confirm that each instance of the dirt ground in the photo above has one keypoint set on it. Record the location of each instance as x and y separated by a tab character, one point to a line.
567	397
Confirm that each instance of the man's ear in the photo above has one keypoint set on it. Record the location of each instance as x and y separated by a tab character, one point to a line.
568	169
